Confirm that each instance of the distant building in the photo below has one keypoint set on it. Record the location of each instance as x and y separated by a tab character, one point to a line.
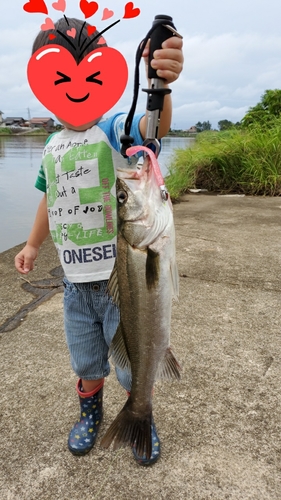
192	130
47	123
14	121
1	117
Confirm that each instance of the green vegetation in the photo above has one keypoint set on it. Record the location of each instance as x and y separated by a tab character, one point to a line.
5	131
227	125
241	160
202	127
266	112
179	133
37	131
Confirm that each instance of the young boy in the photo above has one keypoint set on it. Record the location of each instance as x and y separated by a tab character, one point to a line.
77	177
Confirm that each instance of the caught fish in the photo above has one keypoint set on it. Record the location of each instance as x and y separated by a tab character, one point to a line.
143	283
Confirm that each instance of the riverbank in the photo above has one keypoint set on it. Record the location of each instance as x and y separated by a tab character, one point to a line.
7	133
219	426
246	161
29	134
183	134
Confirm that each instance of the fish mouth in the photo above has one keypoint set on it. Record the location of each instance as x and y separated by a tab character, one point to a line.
82	99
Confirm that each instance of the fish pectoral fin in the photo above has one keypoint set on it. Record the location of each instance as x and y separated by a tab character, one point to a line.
112	286
129	429
152	268
169	367
118	351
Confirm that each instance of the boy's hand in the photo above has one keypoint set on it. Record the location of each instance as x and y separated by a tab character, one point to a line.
24	260
167	61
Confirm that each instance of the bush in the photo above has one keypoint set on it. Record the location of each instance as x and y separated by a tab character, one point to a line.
5	131
240	161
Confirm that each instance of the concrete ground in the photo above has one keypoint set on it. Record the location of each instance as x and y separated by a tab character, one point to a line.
220	426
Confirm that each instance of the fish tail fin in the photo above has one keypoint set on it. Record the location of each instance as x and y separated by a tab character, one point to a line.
169	368
128	429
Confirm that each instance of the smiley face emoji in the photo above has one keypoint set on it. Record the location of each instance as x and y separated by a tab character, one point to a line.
77	93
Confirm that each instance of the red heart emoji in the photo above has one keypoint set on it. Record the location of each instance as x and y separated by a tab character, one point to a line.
130	11
49	25
107	14
101	41
88	8
36	6
79	93
59	5
71	32
91	29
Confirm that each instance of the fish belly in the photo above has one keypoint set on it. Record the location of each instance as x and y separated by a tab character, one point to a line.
145	312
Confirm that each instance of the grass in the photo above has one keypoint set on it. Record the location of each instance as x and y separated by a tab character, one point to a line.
241	161
37	131
5	131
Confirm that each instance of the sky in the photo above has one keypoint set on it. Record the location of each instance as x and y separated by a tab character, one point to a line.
232	52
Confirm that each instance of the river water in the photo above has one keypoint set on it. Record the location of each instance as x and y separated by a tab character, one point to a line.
20	159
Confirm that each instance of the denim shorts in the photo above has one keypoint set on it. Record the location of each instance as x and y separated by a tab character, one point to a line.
91	320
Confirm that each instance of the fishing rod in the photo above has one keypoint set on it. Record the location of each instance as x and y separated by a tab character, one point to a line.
162	29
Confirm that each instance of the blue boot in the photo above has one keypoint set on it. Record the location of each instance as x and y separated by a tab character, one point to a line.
84	433
155	446
155	454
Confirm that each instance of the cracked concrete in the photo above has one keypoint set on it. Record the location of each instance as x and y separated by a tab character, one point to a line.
219	426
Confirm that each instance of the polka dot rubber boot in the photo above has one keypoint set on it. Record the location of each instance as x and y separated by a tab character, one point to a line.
155	454
84	433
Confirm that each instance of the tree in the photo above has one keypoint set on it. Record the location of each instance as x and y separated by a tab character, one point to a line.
266	111
201	127
225	125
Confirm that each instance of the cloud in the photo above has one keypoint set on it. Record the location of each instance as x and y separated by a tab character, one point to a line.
211	111
225	71
224	75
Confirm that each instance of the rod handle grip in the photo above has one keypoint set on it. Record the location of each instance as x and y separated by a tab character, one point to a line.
158	36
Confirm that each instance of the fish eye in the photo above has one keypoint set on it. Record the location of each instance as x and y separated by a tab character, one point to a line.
122	197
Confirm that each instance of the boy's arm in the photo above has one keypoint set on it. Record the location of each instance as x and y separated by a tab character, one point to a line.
168	62
24	260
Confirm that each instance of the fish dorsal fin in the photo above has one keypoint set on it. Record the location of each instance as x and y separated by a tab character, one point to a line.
169	368
112	286
118	351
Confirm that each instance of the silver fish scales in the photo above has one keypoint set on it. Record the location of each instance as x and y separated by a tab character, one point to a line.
143	283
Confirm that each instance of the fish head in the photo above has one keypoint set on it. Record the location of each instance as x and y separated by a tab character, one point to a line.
133	204
139	204
131	199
